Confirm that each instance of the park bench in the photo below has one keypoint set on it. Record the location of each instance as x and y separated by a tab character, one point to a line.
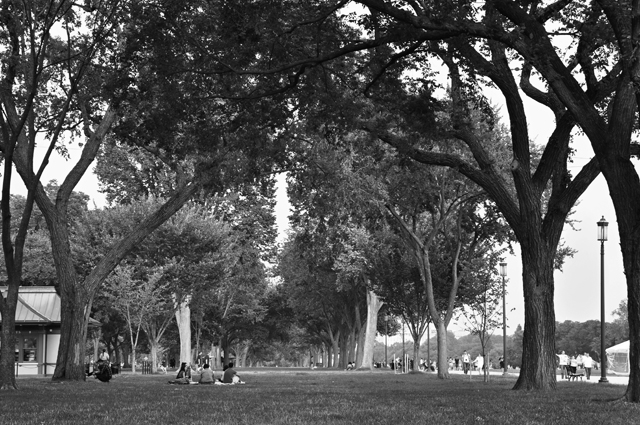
575	376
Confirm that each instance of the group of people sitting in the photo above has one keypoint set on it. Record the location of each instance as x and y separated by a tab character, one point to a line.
207	376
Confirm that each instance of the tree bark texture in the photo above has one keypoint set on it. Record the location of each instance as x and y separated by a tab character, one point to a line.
538	370
8	342
624	188
343	354
443	364
374	304
70	360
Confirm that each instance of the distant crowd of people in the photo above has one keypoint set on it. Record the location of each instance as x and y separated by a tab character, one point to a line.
465	363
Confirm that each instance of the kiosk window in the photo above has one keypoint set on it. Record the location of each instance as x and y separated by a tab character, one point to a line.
29	349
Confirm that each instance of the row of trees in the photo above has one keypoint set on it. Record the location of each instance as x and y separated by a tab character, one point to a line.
513	46
372	228
216	91
101	75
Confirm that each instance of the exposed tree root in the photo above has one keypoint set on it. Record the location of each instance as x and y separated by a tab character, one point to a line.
8	387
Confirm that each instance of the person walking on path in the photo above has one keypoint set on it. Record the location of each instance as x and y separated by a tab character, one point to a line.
587	363
466	362
563	361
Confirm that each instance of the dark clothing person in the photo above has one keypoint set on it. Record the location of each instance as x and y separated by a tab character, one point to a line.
229	373
184	372
184	375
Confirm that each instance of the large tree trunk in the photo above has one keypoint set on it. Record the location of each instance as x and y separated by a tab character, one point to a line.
224	344
353	344
334	340
416	354
624	188
8	340
443	364
325	354
134	361
183	318
538	351
153	348
374	304
243	354
69	363
331	352
359	335
344	350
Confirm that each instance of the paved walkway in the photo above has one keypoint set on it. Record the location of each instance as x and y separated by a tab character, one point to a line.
595	376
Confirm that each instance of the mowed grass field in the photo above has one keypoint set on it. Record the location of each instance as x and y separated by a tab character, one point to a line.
302	396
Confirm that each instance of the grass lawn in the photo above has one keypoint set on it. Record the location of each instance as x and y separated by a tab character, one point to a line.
300	396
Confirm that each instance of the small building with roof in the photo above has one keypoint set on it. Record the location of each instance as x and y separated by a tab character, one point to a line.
37	329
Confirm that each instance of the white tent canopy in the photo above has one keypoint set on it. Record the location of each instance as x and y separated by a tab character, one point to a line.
618	358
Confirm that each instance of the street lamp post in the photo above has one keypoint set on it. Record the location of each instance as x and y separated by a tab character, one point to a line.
403	365
386	331
503	273
602	237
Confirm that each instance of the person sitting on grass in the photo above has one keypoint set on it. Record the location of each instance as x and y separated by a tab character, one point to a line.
184	375
207	375
231	376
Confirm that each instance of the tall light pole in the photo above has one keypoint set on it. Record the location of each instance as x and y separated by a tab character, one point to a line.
602	237
386	331
503	273
403	365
